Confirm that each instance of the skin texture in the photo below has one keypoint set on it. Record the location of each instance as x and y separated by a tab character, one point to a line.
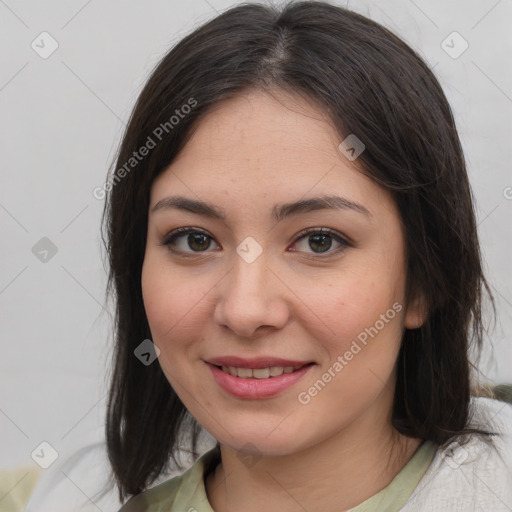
294	301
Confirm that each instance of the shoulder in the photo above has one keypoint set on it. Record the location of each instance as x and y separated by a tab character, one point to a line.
181	491
160	497
474	474
493	414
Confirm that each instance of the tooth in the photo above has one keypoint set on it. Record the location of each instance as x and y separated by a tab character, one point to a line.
261	373
245	373
275	371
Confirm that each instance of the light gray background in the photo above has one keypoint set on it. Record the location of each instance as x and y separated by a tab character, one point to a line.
61	120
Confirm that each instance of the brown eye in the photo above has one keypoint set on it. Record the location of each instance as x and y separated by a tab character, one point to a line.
187	240
321	240
198	241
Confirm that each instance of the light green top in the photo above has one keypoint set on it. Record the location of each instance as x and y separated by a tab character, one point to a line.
187	493
16	487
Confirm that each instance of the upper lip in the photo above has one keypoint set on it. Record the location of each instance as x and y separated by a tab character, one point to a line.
257	362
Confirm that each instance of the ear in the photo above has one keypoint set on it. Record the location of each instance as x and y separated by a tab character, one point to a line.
416	313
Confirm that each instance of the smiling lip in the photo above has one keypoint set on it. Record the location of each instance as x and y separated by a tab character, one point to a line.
258	362
257	388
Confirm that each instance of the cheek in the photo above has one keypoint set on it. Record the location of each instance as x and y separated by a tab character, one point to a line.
352	306
171	301
156	298
360	334
173	308
166	304
353	329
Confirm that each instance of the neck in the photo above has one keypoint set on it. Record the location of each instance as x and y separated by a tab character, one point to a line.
334	475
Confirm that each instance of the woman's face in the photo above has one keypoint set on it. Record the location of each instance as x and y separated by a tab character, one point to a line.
260	282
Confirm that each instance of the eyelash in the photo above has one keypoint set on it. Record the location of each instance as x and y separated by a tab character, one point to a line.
170	239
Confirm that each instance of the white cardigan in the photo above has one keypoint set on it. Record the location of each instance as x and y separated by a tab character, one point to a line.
472	477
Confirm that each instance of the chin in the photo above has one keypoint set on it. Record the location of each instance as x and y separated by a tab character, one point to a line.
257	444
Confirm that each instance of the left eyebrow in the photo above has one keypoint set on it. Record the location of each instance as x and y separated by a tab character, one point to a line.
318	203
279	211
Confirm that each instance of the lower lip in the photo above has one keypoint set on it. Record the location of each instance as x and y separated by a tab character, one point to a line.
257	388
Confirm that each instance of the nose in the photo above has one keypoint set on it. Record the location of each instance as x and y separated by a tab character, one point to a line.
251	298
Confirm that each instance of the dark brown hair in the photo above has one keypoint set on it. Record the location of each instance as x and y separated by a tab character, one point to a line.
371	84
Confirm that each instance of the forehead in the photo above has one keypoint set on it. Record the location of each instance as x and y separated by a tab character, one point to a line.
259	123
258	148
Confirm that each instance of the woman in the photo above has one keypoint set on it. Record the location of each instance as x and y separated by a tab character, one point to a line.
294	255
